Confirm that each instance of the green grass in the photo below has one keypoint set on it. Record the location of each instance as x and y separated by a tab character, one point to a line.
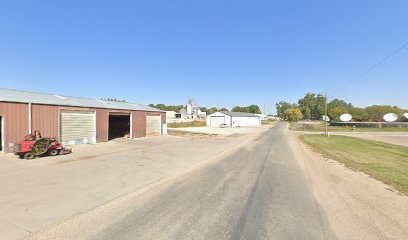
385	162
195	123
320	128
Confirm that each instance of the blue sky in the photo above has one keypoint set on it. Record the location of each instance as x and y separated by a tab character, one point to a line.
221	53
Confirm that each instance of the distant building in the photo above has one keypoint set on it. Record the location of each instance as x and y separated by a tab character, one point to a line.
233	119
192	110
262	116
173	115
170	114
273	118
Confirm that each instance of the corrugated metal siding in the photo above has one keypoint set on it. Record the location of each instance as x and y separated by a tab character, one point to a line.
163	118
15	122
139	124
245	121
45	119
102	125
77	127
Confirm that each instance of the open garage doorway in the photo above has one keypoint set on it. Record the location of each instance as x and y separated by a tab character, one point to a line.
119	125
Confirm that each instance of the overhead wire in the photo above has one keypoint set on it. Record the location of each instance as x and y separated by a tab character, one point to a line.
361	75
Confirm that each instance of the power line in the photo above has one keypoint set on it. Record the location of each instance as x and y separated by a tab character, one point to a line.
372	67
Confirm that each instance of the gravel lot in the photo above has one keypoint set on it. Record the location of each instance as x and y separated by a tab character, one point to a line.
47	190
272	187
223	131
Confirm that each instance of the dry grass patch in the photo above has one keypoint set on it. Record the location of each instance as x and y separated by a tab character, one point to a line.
195	123
190	134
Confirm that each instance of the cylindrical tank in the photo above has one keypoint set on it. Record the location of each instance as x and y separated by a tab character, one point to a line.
189	109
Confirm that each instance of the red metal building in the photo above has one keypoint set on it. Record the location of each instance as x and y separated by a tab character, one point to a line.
74	120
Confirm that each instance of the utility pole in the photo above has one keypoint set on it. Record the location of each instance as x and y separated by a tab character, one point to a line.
264	110
325	116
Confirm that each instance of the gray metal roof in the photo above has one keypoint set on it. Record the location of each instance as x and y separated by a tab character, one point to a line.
239	114
8	95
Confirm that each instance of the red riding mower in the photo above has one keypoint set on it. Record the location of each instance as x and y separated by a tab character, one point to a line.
34	145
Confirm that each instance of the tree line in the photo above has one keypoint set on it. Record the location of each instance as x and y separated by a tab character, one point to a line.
311	107
164	107
112	99
248	109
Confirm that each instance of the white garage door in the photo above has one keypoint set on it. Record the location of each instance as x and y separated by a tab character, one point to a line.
77	127
153	125
216	121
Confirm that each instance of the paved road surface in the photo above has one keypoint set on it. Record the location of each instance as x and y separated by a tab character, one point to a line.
258	192
397	138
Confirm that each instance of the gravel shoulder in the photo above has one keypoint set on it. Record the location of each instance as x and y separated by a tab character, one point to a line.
357	206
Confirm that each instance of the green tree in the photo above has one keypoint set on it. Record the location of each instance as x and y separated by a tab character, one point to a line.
248	109
338	107
177	108
237	109
212	110
376	112
161	107
312	107
307	105
359	114
318	111
339	103
224	110
282	106
254	109
112	100
334	113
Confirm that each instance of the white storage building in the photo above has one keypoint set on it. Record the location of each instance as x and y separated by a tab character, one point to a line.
233	119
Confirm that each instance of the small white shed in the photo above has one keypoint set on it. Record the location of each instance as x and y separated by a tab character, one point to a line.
233	119
170	114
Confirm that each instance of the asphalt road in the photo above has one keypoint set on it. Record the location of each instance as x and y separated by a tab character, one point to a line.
258	192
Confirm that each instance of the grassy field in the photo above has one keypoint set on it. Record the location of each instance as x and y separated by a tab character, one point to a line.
195	123
385	162
320	128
